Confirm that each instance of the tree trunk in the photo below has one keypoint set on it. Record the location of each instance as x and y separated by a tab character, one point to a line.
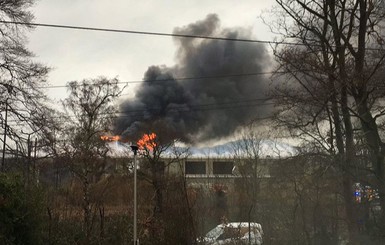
158	208
376	150
157	229
86	210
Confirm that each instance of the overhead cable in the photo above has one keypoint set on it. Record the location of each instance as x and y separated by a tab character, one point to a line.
179	79
85	28
146	33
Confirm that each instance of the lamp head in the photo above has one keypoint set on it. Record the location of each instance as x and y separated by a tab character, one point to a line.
134	148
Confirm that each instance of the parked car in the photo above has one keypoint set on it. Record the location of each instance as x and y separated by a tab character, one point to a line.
234	233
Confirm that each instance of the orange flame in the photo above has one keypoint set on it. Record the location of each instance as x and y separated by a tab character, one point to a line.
147	142
110	138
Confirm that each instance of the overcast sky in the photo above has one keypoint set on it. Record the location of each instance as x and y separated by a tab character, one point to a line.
77	54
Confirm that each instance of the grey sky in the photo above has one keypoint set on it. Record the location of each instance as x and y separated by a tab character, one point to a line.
76	54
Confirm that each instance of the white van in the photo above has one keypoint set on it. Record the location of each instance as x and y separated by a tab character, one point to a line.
234	233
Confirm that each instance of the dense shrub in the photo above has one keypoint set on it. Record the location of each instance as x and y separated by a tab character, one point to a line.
20	211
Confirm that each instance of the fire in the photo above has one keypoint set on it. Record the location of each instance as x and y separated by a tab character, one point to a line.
110	138
147	142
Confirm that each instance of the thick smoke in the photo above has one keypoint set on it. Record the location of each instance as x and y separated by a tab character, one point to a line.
203	108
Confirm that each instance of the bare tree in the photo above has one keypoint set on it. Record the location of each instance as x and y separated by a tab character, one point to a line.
158	154
333	83
22	105
247	151
89	114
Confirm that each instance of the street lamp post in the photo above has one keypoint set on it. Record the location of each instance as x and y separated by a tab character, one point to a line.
134	148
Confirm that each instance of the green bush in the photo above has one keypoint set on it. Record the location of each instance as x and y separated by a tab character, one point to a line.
20	211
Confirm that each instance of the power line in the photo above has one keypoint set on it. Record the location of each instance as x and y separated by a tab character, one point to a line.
138	113
184	78
145	32
198	107
202	107
170	34
179	79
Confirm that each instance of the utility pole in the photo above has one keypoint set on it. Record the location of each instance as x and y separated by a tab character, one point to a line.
134	148
35	175
5	135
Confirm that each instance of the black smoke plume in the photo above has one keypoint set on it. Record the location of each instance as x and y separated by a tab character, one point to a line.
216	98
